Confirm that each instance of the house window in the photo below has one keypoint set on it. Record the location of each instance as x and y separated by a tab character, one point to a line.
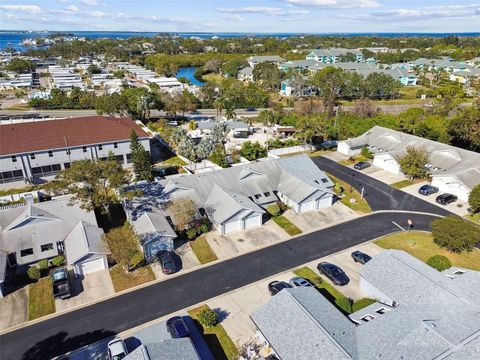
9	176
115	145
32	156
66	165
84	148
267	194
14	158
257	196
26	252
100	147
129	158
68	152
46	247
50	153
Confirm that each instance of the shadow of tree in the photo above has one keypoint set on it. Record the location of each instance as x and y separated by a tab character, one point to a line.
60	343
222	314
212	342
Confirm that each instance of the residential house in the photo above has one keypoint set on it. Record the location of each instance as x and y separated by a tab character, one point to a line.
333	55
41	149
298	65
453	170
254	60
465	76
420	313
36	231
246	74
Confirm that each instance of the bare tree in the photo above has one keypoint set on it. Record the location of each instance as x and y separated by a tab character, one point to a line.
183	212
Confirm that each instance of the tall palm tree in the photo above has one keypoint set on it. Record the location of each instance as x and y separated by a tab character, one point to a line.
218	103
230	111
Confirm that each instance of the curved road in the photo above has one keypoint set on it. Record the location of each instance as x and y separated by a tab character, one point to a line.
69	331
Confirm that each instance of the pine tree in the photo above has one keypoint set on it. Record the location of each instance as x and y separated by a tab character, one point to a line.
142	165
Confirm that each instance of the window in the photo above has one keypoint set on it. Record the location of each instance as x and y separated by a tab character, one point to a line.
47	170
9	176
115	145
50	153
459	272
14	158
100	147
129	158
26	252
32	156
46	247
68	152
66	165
324	180
257	196
84	148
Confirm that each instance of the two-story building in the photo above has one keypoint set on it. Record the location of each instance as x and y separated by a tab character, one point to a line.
41	149
333	55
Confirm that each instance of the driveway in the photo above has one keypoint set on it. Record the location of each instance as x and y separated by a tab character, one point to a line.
383	175
317	219
92	287
71	330
185	260
14	308
244	241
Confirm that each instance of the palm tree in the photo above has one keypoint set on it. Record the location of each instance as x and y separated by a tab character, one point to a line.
230	111
218	103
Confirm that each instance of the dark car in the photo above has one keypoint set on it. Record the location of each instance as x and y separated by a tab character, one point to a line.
177	328
361	165
334	273
427	189
361	257
446	199
167	262
276	286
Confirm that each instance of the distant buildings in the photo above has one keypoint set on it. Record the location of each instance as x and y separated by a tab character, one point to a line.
453	170
420	313
150	77
40	149
65	78
334	55
254	60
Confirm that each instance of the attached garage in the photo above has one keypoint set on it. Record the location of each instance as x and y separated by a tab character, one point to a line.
307	206
231	226
451	185
90	264
253	220
387	162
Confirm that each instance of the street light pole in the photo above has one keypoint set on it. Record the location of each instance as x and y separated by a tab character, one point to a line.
351	183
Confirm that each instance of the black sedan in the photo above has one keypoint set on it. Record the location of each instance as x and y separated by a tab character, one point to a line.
276	286
167	262
427	190
361	257
334	273
361	165
446	199
177	328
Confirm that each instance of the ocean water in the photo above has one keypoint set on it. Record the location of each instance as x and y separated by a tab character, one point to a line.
14	38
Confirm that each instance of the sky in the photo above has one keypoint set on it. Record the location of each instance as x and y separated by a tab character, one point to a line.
306	16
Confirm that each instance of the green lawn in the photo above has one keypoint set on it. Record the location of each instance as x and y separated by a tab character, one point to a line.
173	161
216	337
202	250
287	225
354	160
122	280
473	218
421	245
40	299
330	293
402	184
342	188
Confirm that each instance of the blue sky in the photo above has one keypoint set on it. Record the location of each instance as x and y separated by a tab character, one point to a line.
311	16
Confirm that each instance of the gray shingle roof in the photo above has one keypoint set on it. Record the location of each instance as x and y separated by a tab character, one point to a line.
169	349
84	239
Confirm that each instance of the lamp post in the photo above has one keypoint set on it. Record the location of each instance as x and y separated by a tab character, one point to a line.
351	183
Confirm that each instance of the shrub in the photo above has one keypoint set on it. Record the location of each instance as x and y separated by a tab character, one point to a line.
136	261
33	272
455	234
208	317
273	210
202	229
345	304
366	153
58	260
191	233
439	262
43	267
474	199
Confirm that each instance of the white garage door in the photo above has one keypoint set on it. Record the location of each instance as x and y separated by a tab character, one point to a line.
232	226
307	206
253	221
89	266
387	164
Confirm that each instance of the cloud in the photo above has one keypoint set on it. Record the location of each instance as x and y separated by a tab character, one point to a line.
97	14
90	2
273	11
71	8
234	18
337	4
30	9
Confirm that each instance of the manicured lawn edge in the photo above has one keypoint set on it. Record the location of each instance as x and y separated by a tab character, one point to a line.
202	250
361	205
227	347
122	280
40	299
420	244
402	184
340	301
287	225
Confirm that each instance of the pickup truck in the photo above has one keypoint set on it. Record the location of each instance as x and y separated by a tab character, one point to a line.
60	283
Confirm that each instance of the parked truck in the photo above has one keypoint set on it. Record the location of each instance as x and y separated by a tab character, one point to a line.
61	284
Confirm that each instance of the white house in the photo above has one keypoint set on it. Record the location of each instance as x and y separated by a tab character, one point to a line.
453	170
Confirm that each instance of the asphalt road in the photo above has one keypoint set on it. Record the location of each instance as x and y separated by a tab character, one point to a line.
72	330
379	195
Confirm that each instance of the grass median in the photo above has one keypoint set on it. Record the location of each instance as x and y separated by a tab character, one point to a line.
287	225
347	193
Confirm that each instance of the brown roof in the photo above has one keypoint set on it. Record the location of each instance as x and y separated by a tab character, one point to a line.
52	134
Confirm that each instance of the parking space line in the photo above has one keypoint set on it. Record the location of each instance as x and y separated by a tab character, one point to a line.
394	223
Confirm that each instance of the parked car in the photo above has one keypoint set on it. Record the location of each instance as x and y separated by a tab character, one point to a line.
167	262
177	328
361	257
117	349
334	273
299	282
361	165
427	189
276	286
446	199
61	283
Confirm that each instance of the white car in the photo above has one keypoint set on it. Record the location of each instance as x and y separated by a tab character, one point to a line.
117	349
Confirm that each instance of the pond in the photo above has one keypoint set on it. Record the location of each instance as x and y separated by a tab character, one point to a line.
187	73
